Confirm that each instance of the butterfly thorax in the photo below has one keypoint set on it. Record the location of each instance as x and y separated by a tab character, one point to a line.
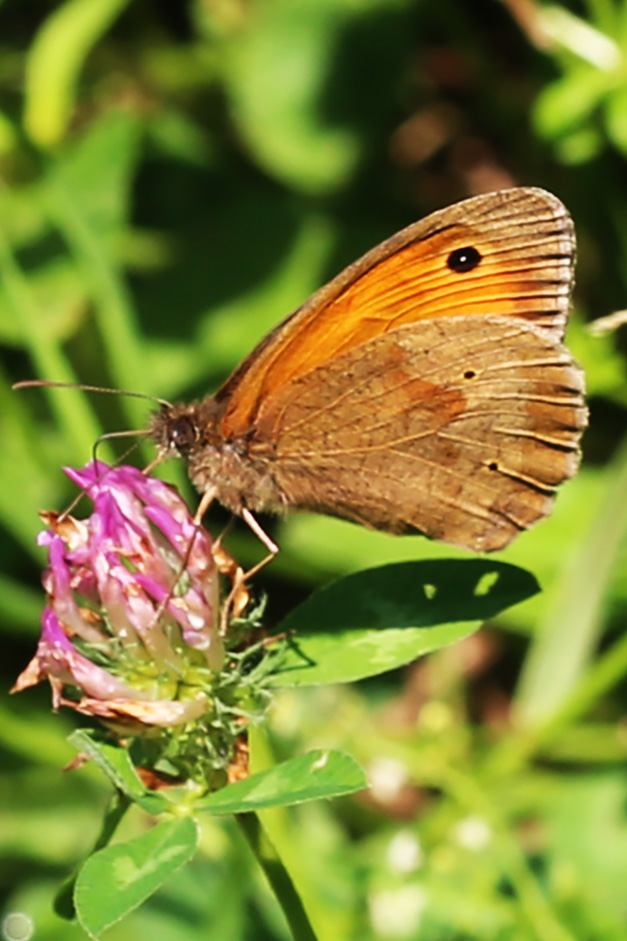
192	431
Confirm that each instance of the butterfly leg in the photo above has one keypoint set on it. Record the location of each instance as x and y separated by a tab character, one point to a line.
238	597
235	602
261	534
205	502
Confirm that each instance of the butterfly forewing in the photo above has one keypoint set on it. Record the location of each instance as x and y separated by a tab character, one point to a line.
526	244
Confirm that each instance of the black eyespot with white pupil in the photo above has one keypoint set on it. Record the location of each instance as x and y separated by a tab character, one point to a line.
464	259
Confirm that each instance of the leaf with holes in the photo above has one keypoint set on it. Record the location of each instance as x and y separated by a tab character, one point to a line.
383	618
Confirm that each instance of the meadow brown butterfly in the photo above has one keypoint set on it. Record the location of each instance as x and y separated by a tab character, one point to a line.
424	389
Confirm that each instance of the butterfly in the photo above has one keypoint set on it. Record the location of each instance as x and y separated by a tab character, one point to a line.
425	389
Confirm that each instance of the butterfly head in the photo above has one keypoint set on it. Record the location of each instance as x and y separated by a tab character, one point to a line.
181	429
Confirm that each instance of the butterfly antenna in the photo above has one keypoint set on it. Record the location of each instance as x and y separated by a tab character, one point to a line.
118	434
49	384
112	435
143	433
118	461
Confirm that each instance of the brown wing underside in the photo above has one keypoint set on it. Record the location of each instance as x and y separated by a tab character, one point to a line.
525	237
457	428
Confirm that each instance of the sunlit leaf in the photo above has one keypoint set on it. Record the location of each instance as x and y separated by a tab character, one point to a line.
117	879
55	60
319	774
115	763
380	619
563	106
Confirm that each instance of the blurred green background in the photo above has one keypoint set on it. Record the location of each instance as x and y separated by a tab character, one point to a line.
176	177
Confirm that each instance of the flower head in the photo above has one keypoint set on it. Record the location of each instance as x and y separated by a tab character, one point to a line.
130	629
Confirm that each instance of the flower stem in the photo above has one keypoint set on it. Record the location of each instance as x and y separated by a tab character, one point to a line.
277	876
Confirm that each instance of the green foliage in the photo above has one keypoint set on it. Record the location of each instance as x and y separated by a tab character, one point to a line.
175	179
583	111
380	619
369	627
117	879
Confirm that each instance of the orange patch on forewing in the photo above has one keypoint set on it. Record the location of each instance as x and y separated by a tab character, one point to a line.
515	277
412	284
417	283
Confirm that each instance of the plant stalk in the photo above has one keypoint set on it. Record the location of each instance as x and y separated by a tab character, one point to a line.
277	876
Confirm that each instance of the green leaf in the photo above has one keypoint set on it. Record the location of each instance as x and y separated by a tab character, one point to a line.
55	60
114	762
600	357
8	136
117	879
308	777
49	359
594	851
570	630
382	618
569	103
56	288
20	605
88	215
283	92
616	118
98	170
579	146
